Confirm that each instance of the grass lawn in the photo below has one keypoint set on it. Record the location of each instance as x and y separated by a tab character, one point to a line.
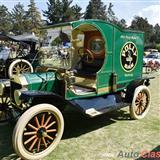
101	138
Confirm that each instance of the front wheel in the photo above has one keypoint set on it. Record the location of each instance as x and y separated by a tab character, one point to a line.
19	66
5	109
140	103
38	131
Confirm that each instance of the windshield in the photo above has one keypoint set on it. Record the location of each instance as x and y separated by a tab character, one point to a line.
56	48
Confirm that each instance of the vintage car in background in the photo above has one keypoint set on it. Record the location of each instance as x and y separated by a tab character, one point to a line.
152	61
91	65
149	51
17	54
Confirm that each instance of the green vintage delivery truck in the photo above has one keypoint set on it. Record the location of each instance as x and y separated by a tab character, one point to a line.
91	65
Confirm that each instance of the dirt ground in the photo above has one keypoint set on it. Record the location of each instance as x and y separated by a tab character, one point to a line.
112	136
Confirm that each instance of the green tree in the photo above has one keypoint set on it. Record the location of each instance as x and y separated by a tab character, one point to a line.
158	47
33	18
66	10
157	33
5	20
54	11
96	10
76	12
61	11
122	23
18	16
111	15
140	23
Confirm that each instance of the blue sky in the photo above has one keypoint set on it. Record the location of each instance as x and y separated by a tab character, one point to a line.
126	9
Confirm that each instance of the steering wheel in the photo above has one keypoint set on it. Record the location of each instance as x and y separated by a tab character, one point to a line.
86	54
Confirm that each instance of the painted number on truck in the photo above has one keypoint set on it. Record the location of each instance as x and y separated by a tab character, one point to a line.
129	56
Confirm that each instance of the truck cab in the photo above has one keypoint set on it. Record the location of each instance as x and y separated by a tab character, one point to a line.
101	57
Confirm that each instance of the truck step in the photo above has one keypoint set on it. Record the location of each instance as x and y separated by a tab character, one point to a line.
99	105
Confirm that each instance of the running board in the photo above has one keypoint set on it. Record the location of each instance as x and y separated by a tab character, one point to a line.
99	105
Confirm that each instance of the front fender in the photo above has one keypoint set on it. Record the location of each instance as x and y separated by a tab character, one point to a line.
38	97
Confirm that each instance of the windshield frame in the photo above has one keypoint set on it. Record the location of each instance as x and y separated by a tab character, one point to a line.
57	50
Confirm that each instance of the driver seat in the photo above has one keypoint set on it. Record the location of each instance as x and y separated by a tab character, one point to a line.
89	70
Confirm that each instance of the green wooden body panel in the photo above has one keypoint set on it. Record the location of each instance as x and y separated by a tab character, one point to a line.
121	38
41	81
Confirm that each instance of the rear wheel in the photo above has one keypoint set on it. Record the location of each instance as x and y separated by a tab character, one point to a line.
140	103
38	131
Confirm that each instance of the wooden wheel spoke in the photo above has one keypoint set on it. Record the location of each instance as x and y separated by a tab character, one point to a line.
49	137
38	144
140	109
139	96
142	94
33	127
30	139
50	124
137	103
26	69
5	99
145	103
33	144
9	103
145	99
29	133
43	118
2	100
51	130
144	106
24	66
17	66
48	119
37	122
137	110
44	142
21	64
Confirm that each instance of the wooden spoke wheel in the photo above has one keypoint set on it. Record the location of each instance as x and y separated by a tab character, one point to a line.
5	109
19	66
38	131
141	102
